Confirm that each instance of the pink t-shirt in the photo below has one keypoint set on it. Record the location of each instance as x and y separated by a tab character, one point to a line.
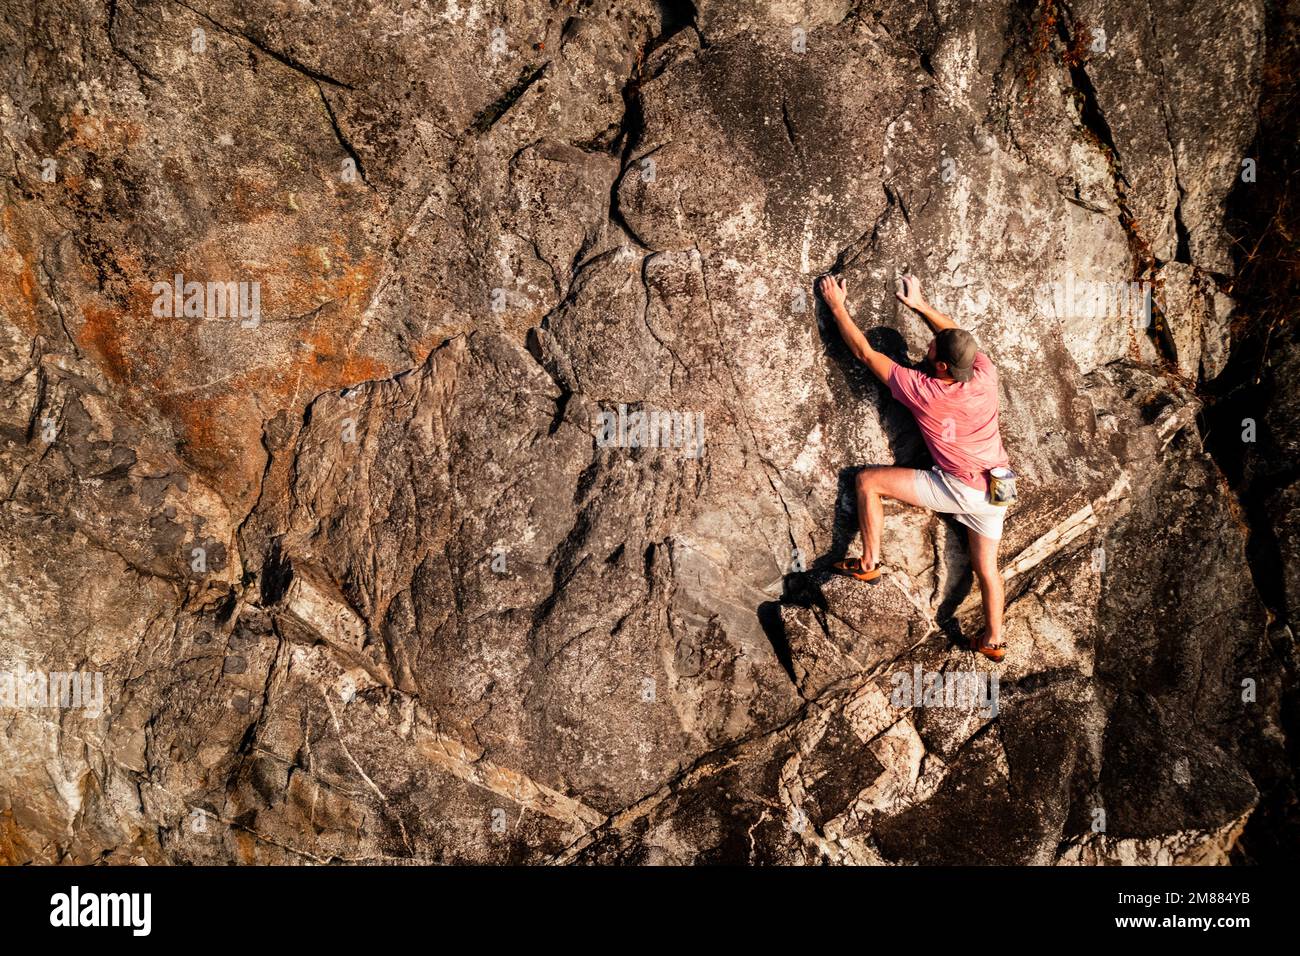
958	420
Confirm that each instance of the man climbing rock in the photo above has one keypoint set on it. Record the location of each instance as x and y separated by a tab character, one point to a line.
955	404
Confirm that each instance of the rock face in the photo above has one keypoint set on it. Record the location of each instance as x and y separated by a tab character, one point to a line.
378	567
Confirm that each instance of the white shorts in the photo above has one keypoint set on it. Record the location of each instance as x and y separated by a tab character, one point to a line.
940	491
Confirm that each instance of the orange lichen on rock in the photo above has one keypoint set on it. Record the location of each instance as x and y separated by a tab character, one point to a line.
14	850
310	276
215	380
103	334
253	199
218	434
94	131
18	287
219	424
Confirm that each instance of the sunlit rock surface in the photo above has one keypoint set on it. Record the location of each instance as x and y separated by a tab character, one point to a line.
365	584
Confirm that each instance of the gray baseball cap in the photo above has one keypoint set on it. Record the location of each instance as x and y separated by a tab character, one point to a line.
956	348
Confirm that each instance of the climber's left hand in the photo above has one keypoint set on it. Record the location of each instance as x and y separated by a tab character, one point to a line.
834	290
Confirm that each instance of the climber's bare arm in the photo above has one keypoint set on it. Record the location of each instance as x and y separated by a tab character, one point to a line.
911	297
834	291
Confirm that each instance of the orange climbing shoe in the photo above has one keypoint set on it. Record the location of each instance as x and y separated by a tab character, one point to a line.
994	652
853	568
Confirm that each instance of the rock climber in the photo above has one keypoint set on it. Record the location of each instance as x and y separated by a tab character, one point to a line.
955	403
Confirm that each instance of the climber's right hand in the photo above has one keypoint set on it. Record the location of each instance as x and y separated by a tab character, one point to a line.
910	295
833	290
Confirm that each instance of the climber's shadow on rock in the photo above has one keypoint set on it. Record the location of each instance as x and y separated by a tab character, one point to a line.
805	588
857	378
799	589
858	388
958	585
906	446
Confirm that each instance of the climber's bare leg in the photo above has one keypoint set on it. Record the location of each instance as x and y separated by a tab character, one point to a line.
873	483
984	562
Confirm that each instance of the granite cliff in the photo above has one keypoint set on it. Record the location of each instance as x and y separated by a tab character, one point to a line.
310	317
